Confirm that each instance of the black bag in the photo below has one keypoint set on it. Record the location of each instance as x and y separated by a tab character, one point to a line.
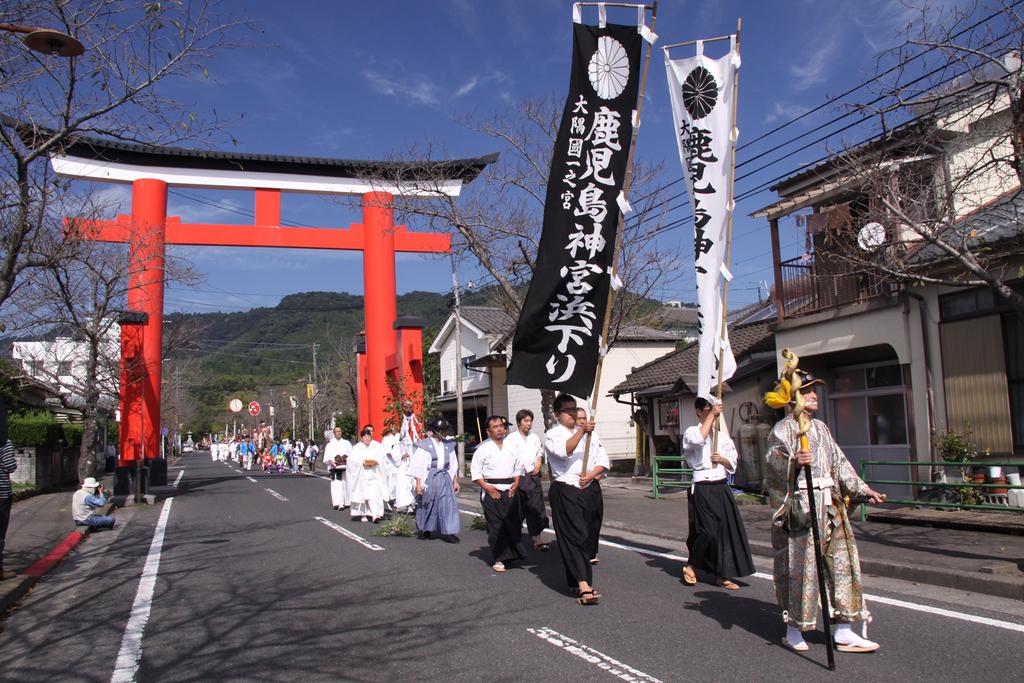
794	519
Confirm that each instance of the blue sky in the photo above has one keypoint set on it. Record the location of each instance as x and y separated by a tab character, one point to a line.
371	79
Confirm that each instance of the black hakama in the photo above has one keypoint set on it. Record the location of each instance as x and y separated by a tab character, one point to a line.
717	541
572	509
596	517
504	526
531	501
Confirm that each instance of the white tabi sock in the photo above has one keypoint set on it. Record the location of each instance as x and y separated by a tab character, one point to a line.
794	636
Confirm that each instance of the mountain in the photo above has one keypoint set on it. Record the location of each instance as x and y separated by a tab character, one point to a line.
266	354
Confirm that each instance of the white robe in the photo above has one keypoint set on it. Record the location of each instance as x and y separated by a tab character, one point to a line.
367	485
340	495
402	485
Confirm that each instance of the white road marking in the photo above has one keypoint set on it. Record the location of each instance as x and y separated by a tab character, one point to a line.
345	532
913	606
130	654
275	494
178	478
252	480
595	657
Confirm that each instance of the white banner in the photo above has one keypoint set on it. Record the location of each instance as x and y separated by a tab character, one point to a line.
702	112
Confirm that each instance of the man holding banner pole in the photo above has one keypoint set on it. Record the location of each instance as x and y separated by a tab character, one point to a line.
574	496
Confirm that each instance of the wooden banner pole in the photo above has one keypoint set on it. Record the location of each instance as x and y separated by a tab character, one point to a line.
627	181
728	238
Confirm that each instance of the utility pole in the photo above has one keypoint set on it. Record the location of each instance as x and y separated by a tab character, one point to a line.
459	422
311	394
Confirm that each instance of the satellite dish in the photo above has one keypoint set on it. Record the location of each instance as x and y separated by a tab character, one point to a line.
871	236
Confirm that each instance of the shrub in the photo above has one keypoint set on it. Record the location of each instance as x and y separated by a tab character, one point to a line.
37	428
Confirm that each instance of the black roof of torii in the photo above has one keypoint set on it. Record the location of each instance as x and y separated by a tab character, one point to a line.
116	151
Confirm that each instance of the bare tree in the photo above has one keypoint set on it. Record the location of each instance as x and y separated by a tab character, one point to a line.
79	299
942	180
114	90
497	220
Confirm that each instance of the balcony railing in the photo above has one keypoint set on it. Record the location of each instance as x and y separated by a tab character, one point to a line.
809	286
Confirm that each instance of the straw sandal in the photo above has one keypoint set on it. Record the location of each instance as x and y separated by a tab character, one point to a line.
590	597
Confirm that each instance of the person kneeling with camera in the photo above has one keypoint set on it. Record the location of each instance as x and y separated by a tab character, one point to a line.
86	501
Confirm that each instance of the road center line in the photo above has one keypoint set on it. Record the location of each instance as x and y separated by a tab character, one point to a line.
345	532
252	480
595	657
275	494
913	606
130	654
178	478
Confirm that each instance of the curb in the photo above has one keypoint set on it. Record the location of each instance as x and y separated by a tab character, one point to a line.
972	582
14	589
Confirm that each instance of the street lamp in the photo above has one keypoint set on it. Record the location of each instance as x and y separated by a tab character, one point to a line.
46	40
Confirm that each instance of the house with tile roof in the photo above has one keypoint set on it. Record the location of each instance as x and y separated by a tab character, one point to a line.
663	391
906	358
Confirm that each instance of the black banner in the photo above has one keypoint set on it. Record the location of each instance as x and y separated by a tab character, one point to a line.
556	339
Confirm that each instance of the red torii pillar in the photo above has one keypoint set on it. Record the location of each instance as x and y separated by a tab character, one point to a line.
148	230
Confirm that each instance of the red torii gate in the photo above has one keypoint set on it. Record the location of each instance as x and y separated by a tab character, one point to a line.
391	346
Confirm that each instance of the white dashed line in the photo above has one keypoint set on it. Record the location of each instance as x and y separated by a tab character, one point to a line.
178	478
252	480
348	534
595	657
275	494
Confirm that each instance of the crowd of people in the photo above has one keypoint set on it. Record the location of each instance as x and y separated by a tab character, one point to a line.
416	470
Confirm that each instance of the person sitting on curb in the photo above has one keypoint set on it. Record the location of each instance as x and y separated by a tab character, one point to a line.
86	501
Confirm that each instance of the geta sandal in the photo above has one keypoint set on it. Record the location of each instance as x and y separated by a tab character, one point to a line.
689	577
590	597
728	585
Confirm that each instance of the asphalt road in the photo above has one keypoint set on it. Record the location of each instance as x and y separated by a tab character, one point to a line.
252	586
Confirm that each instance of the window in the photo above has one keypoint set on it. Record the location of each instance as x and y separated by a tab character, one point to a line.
467	372
64	368
868	406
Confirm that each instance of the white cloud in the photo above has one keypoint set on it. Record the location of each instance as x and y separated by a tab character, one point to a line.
784	111
468	86
815	66
418	88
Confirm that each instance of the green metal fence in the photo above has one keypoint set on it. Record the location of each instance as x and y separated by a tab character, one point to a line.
946	484
670	466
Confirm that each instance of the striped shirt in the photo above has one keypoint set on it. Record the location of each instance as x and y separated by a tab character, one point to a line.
8	464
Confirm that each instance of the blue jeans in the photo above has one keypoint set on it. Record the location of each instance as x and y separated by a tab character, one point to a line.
97	522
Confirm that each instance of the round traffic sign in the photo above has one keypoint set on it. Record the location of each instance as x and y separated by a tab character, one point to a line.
235	405
254	408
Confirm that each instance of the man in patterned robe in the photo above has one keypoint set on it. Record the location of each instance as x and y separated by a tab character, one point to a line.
796	585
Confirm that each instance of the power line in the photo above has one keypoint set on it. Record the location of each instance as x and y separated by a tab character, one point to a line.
842	116
874	78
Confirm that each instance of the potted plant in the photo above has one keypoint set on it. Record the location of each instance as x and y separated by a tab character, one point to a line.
957	446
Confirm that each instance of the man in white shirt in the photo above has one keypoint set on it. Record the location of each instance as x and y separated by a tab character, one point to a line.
530	452
717	541
497	470
337	446
571	505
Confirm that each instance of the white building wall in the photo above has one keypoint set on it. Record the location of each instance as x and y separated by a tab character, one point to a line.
472	345
614	419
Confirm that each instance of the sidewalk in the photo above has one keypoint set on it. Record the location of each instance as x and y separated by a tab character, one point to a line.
969	560
40	529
